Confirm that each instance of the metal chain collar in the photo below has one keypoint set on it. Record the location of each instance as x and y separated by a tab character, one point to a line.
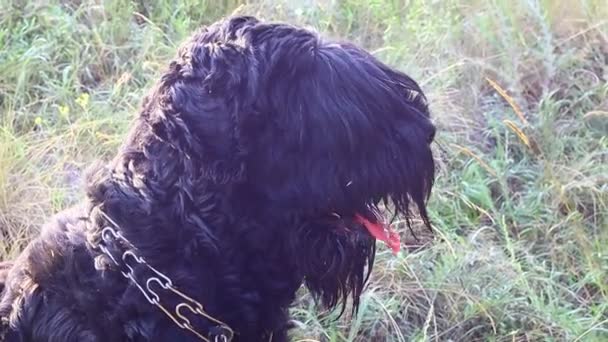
222	332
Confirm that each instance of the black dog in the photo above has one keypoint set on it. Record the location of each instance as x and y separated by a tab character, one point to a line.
257	164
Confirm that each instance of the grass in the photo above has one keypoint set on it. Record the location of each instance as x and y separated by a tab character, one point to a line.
520	96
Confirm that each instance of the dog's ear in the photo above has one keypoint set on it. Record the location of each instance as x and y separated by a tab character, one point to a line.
204	103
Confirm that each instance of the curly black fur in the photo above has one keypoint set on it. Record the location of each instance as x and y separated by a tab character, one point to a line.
240	179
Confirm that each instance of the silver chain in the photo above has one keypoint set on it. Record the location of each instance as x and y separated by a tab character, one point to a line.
177	315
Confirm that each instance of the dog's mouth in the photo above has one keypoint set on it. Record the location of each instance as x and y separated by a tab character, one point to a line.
376	226
381	231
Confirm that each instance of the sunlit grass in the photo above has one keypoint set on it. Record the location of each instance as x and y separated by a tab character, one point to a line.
518	90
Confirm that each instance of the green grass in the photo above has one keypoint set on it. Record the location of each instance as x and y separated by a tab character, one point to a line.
521	202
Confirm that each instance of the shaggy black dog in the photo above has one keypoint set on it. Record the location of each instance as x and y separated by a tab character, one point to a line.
258	163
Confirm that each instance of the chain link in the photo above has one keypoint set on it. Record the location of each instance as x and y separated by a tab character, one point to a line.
178	316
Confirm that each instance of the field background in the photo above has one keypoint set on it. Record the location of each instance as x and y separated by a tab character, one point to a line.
518	90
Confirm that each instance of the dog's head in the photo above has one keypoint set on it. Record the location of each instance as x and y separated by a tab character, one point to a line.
321	134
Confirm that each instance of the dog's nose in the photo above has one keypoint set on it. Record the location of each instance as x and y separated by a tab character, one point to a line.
431	134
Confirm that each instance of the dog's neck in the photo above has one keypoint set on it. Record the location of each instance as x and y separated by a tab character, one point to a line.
152	188
165	205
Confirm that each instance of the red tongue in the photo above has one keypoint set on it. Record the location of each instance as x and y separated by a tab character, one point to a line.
381	232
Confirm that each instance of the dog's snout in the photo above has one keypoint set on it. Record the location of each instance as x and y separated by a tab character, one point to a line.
431	134
427	129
